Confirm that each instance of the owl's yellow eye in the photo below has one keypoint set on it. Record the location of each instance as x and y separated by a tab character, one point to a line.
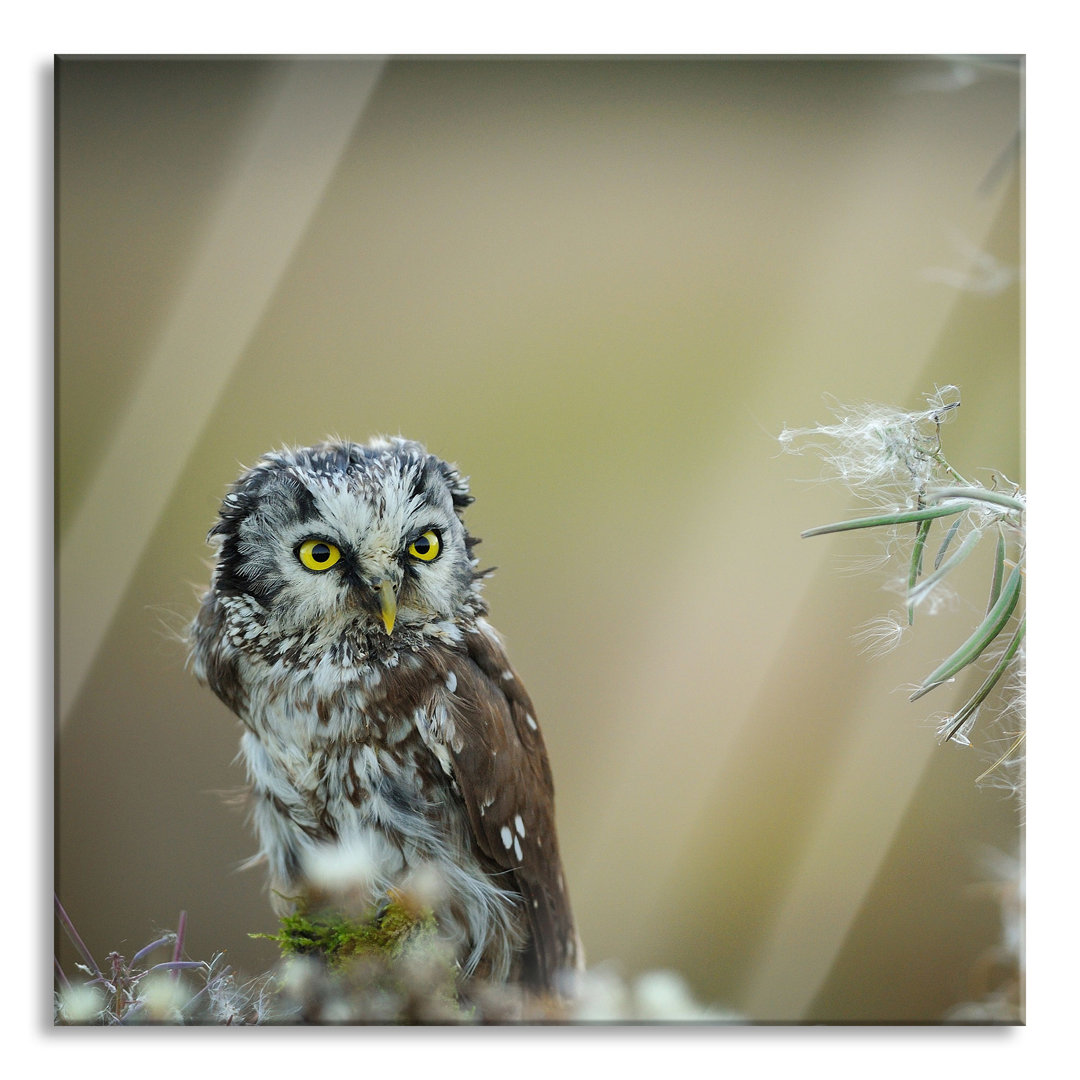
426	547
318	554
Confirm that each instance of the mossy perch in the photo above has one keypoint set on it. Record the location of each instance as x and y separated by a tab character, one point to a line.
387	966
337	937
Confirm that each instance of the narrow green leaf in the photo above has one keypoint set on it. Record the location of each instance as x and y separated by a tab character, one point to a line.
947	541
916	564
999	572
979	494
984	633
983	692
926	513
961	553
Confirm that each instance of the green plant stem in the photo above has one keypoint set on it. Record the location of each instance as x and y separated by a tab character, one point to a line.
940	459
916	565
978	494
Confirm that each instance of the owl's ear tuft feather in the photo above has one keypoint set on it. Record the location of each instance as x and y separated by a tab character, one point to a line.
458	484
245	495
236	505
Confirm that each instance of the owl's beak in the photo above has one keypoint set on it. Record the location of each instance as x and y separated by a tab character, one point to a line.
387	604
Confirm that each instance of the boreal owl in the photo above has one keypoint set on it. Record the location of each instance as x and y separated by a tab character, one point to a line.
345	626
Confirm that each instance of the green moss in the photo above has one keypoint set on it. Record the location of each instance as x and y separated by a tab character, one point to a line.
388	966
337	937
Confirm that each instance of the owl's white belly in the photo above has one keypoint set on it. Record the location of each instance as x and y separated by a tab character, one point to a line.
349	800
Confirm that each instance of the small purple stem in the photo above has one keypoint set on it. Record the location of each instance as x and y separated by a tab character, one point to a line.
72	933
150	948
180	930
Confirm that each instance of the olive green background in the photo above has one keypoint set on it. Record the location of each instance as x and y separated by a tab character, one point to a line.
602	287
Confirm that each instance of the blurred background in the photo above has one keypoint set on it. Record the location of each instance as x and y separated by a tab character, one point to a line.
603	288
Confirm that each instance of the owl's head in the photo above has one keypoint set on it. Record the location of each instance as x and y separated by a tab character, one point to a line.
346	532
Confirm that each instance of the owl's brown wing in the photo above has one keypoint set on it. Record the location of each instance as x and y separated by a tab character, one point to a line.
501	767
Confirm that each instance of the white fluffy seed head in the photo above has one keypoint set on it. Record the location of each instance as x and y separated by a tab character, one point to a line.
343	868
81	1004
163	997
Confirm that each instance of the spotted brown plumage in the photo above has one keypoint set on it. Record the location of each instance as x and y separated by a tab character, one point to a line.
384	725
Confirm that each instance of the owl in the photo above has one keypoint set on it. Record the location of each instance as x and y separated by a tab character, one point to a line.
346	628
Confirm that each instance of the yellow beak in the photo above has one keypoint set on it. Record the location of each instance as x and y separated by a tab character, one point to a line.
388	605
